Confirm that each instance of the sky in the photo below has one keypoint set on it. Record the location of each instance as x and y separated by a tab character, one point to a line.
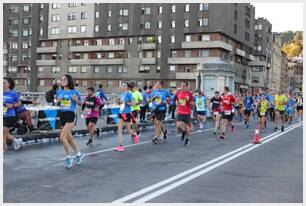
283	16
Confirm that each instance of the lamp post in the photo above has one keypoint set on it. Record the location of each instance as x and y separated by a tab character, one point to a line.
269	51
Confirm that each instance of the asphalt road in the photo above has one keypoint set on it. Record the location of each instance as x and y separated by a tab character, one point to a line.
208	170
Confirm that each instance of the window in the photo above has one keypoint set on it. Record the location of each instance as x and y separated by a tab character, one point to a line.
98	55
55	18
40	69
25	32
160	10
14	33
83	15
173	84
157	69
187	53
14	9
55	30
247	36
121	41
83	29
41	82
83	4
26	20
130	41
56	6
186	23
259	27
96	28
202	22
111	55
97	14
158	54
109	27
173	8
72	5
259	48
12	69
255	80
26	8
173	54
187	38
186	7
72	69
24	57
84	82
99	42
173	24
203	7
122	69
14	45
144	69
13	21
96	69
111	41
159	24
72	16
55	70
147	25
123	27
247	23
172	68
146	10
123	12
236	15
256	27
172	39
159	39
109	83
235	29
86	42
205	53
13	57
72	29
25	45
109	13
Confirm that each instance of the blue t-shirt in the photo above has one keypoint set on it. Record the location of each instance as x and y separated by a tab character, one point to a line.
172	99
124	107
102	95
248	102
290	105
200	102
67	103
9	97
161	98
151	104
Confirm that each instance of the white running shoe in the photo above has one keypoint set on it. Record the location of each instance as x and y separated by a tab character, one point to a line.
17	144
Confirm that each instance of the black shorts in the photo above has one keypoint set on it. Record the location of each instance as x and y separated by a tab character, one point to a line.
9	122
281	112
247	112
186	118
259	115
201	113
135	113
160	115
228	117
126	117
298	108
92	120
66	117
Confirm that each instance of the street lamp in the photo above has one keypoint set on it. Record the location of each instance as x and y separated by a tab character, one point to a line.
269	48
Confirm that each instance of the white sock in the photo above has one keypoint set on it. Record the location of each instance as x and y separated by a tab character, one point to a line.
68	156
78	154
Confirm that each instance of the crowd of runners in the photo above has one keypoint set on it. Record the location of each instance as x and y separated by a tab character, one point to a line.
135	104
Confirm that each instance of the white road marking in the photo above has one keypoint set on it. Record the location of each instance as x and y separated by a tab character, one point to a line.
188	172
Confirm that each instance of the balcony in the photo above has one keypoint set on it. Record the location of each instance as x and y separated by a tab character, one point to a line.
45	62
148	61
251	57
46	50
257	63
116	47
186	60
185	75
207	44
147	46
240	52
96	61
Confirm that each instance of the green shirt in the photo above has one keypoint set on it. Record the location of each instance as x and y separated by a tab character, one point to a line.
137	97
280	102
264	106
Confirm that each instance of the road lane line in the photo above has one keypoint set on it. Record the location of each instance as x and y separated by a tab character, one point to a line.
201	172
180	175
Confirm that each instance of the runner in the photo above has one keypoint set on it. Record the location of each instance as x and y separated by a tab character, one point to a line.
271	107
184	103
227	102
172	107
201	103
137	98
91	106
240	107
159	98
125	115
262	111
280	103
299	107
100	93
144	105
10	102
290	108
67	98
248	102
215	108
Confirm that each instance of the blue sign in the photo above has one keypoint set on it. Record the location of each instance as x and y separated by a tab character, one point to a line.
51	117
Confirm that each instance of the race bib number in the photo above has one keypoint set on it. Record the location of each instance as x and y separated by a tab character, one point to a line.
182	101
228	112
4	109
66	103
215	113
150	104
158	100
262	113
122	106
88	111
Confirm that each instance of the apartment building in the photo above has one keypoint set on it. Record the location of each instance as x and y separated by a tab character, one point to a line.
276	64
110	43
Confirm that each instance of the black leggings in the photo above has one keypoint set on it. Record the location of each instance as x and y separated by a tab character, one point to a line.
272	114
143	111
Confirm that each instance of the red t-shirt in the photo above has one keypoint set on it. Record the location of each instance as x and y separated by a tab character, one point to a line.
225	99
183	106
